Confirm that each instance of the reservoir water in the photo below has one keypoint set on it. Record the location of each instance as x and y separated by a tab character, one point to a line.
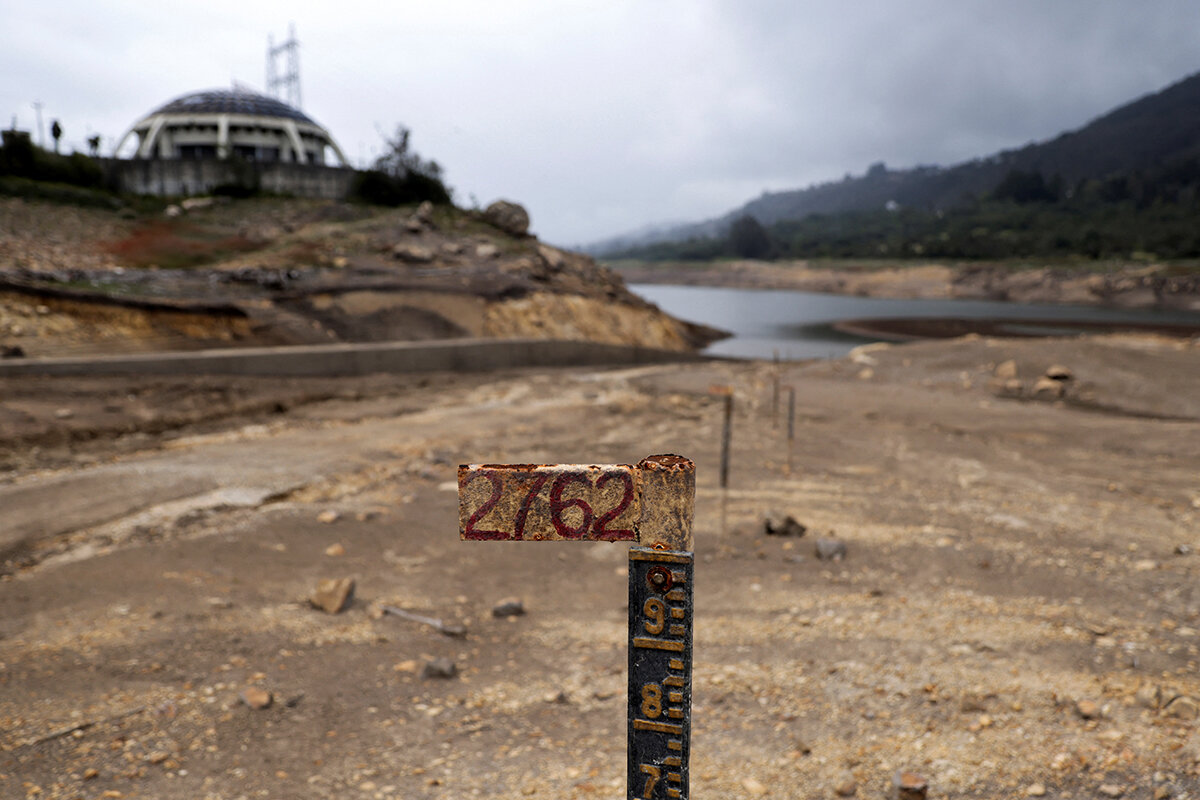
800	325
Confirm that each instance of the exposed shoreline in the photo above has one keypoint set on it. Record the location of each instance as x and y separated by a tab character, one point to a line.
1124	286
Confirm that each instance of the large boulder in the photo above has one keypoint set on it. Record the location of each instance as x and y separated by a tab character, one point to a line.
508	216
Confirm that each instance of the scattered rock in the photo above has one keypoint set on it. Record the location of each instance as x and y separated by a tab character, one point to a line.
1111	790
425	212
1088	709
452	248
1048	389
1183	707
909	786
91	773
1149	695
64	413
1183	549
328	516
1162	792
414	225
846	786
336	549
12	351
173	211
509	217
256	698
333	595
777	524
509	607
830	549
559	697
1035	790
555	259
412	254
754	787
487	251
1013	387
1005	370
1057	372
439	668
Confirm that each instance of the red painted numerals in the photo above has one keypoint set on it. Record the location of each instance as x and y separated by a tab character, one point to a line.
577	505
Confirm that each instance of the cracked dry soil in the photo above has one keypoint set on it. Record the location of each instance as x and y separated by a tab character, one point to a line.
1017	613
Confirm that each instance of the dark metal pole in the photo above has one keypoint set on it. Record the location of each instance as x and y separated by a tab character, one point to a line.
726	435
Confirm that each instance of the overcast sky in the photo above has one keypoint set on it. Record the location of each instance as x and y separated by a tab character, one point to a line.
603	116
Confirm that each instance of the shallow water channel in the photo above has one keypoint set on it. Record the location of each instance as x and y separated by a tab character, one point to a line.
799	325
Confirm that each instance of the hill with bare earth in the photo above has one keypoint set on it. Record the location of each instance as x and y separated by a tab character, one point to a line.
276	272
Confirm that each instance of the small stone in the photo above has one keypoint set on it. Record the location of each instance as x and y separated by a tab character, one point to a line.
1005	370
414	225
425	211
335	549
1088	709
1183	549
1111	790
846	786
1162	793
1149	695
256	698
1183	707
159	756
328	516
1145	565
830	549
1057	372
559	697
332	595
754	787
64	413
91	773
779	524
1048	388
910	786
509	607
1035	790
439	668
412	254
487	251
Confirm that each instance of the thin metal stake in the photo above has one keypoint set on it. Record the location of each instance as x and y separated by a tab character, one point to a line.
791	426
726	435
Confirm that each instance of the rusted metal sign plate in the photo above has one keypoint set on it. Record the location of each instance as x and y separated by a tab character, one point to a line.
524	502
660	673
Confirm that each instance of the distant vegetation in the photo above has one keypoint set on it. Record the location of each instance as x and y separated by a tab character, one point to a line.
1125	186
1144	214
29	171
400	176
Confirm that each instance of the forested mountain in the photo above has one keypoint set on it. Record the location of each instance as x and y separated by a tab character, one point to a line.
1144	140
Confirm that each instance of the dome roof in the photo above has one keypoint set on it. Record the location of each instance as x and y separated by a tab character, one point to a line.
233	101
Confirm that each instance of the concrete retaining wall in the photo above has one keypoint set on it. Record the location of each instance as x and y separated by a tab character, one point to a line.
183	177
457	355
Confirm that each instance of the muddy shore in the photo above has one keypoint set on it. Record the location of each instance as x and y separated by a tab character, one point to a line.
1016	614
1119	286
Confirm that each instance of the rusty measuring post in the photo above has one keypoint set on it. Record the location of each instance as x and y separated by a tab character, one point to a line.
653	505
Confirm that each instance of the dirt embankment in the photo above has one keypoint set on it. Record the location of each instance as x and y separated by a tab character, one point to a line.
299	272
1124	286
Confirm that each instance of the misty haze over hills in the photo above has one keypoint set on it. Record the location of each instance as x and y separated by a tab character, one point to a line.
1156	129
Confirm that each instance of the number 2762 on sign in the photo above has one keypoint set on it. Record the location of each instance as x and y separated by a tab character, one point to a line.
564	501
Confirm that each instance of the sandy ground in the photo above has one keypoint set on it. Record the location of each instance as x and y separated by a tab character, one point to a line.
1017	613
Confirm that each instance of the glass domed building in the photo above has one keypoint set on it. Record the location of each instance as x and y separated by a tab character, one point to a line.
213	140
231	123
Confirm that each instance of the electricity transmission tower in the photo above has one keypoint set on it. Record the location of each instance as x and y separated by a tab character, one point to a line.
284	85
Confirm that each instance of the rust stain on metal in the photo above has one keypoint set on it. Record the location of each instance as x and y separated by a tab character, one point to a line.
547	502
668	502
